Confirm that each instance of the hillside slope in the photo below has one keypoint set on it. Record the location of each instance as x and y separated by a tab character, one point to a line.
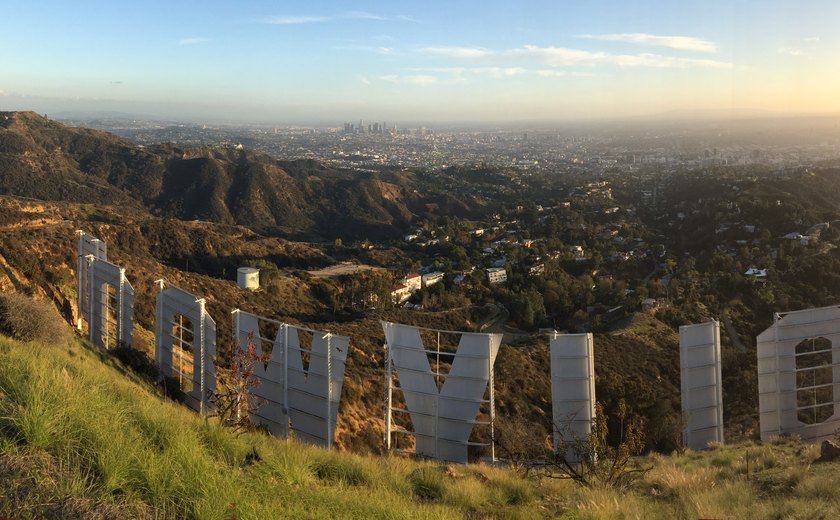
46	160
82	437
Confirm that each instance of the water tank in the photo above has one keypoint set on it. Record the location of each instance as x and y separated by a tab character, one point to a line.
248	278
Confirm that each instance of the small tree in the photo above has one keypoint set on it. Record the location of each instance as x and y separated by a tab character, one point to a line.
520	442
234	403
591	461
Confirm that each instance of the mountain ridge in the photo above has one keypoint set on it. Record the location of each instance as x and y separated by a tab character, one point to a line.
46	160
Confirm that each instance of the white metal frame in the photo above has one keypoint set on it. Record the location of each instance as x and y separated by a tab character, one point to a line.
171	302
452	406
109	325
310	397
701	384
777	370
87	245
572	388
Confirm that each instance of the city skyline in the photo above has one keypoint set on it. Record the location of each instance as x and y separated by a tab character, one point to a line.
494	61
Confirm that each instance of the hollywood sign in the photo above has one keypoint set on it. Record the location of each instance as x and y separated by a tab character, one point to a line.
443	389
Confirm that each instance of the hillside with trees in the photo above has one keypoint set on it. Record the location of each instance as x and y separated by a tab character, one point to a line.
627	257
43	159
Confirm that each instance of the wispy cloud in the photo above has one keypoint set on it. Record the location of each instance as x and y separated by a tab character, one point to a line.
552	73
363	79
564	57
194	40
790	51
493	72
674	42
364	15
457	52
806	45
499	72
293	20
384	51
350	15
416	79
560	57
116	82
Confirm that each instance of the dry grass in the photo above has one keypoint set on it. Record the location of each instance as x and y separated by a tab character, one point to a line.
80	439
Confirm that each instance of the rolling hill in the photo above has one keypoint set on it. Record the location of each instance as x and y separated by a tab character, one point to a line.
43	159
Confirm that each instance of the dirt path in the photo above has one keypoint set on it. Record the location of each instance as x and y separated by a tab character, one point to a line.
339	270
496	324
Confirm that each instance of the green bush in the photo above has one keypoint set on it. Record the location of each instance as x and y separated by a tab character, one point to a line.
517	492
427	483
340	469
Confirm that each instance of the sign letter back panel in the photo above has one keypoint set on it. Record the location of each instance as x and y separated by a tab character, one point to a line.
111	318
185	344
314	392
88	245
442	420
700	381
298	393
799	374
572	387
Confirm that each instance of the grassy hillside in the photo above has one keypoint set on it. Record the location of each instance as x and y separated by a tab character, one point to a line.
81	437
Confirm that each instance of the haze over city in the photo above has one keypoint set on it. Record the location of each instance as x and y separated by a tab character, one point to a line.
295	62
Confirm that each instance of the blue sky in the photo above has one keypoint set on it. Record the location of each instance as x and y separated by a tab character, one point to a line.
284	62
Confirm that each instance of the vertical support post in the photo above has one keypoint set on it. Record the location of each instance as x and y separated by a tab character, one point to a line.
159	327
388	396
590	379
202	317
79	282
235	351
719	381
120	316
437	364
776	318
88	262
437	400
181	351
329	392
286	377
492	401
555	431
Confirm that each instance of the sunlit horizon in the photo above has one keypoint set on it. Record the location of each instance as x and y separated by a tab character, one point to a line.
487	62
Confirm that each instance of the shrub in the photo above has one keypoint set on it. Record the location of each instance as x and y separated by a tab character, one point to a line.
26	319
517	492
427	483
234	400
591	461
340	469
520	441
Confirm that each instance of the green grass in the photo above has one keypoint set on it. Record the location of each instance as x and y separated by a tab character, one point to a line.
81	438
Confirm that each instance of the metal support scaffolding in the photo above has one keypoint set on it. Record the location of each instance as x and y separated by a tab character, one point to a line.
779	380
442	407
173	306
297	398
